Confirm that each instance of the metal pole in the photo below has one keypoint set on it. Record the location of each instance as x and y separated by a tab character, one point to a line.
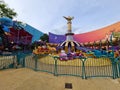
111	42
55	66
18	36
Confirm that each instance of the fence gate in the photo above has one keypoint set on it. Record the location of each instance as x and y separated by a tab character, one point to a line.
69	67
7	61
98	67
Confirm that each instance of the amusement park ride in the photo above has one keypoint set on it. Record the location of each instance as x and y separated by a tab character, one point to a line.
5	23
69	45
12	35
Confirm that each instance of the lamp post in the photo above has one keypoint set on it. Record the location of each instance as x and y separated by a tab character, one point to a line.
111	41
100	45
94	45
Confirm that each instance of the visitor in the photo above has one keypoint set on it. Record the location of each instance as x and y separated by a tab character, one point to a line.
73	53
81	54
116	53
70	56
110	53
63	55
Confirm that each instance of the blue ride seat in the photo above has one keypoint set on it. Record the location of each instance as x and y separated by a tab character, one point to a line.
97	53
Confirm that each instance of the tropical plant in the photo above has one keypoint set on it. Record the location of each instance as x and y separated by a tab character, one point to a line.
5	11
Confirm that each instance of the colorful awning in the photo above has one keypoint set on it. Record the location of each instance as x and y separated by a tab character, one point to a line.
92	36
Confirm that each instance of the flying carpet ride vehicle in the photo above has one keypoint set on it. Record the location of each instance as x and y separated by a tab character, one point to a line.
44	50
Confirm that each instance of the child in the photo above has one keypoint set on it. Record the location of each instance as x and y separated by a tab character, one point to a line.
63	55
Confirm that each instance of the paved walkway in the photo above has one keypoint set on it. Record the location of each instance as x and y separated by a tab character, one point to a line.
27	79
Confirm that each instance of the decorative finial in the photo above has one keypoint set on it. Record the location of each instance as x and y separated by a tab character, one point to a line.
69	23
68	18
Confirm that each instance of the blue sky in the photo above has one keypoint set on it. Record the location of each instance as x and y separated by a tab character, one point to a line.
47	15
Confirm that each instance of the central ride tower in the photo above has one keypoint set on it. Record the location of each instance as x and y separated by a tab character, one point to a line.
69	44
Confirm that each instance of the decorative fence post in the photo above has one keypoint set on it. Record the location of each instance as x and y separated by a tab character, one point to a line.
83	59
14	64
114	67
118	68
36	61
23	62
18	57
117	61
55	67
21	59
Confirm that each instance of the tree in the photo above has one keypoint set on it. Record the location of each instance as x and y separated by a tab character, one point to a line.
6	11
45	37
